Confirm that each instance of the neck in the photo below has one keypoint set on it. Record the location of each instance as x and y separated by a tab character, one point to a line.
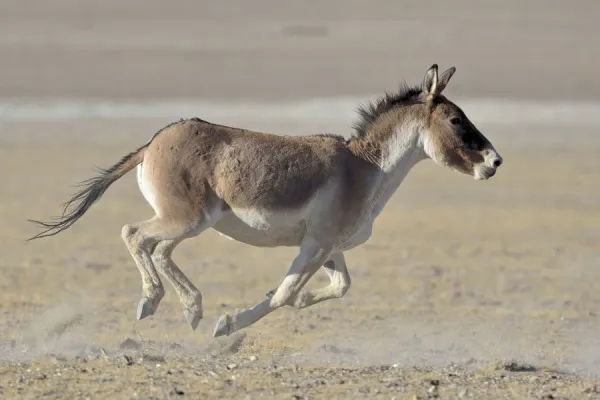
392	151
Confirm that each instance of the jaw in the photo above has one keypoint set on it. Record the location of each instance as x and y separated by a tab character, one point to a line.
479	172
483	173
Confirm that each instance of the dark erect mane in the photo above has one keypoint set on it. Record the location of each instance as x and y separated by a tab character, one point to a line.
368	113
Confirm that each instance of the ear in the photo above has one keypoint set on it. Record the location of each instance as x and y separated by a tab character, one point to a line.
430	81
444	79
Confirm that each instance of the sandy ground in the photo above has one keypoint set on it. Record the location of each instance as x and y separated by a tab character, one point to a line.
467	289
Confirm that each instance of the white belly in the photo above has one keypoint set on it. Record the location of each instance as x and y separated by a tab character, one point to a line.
263	229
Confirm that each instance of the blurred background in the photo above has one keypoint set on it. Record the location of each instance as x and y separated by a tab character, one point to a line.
84	82
262	49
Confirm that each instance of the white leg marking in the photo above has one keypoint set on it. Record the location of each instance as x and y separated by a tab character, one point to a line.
340	283
312	256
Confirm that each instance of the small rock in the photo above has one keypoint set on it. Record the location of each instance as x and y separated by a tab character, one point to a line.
178	392
593	389
128	360
253	358
231	366
364	389
432	389
129	343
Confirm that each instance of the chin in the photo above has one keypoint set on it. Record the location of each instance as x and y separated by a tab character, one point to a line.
482	174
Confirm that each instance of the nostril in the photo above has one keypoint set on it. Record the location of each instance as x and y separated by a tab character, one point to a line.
497	162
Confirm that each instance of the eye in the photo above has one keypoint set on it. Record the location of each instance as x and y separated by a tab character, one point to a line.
455	121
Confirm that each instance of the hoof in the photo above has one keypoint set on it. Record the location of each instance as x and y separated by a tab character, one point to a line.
146	308
223	327
192	317
271	293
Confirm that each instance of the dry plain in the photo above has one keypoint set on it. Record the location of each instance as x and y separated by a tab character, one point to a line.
467	289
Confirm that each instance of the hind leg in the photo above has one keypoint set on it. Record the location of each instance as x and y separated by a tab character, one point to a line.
141	239
189	295
152	287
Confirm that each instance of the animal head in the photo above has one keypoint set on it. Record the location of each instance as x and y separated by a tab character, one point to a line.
450	138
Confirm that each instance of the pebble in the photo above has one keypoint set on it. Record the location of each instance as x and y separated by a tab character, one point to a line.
129	343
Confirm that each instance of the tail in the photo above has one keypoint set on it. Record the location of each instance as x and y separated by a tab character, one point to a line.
92	190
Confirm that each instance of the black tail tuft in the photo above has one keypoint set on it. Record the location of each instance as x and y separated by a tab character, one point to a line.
92	190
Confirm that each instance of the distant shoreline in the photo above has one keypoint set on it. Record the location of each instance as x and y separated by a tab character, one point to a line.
321	110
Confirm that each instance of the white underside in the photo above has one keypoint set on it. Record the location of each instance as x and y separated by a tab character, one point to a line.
264	228
285	228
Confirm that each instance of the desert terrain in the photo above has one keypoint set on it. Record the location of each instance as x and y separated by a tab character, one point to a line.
467	289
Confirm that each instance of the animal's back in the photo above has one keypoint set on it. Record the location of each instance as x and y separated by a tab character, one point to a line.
265	171
245	173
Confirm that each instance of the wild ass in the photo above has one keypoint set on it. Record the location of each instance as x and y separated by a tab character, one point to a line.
320	193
